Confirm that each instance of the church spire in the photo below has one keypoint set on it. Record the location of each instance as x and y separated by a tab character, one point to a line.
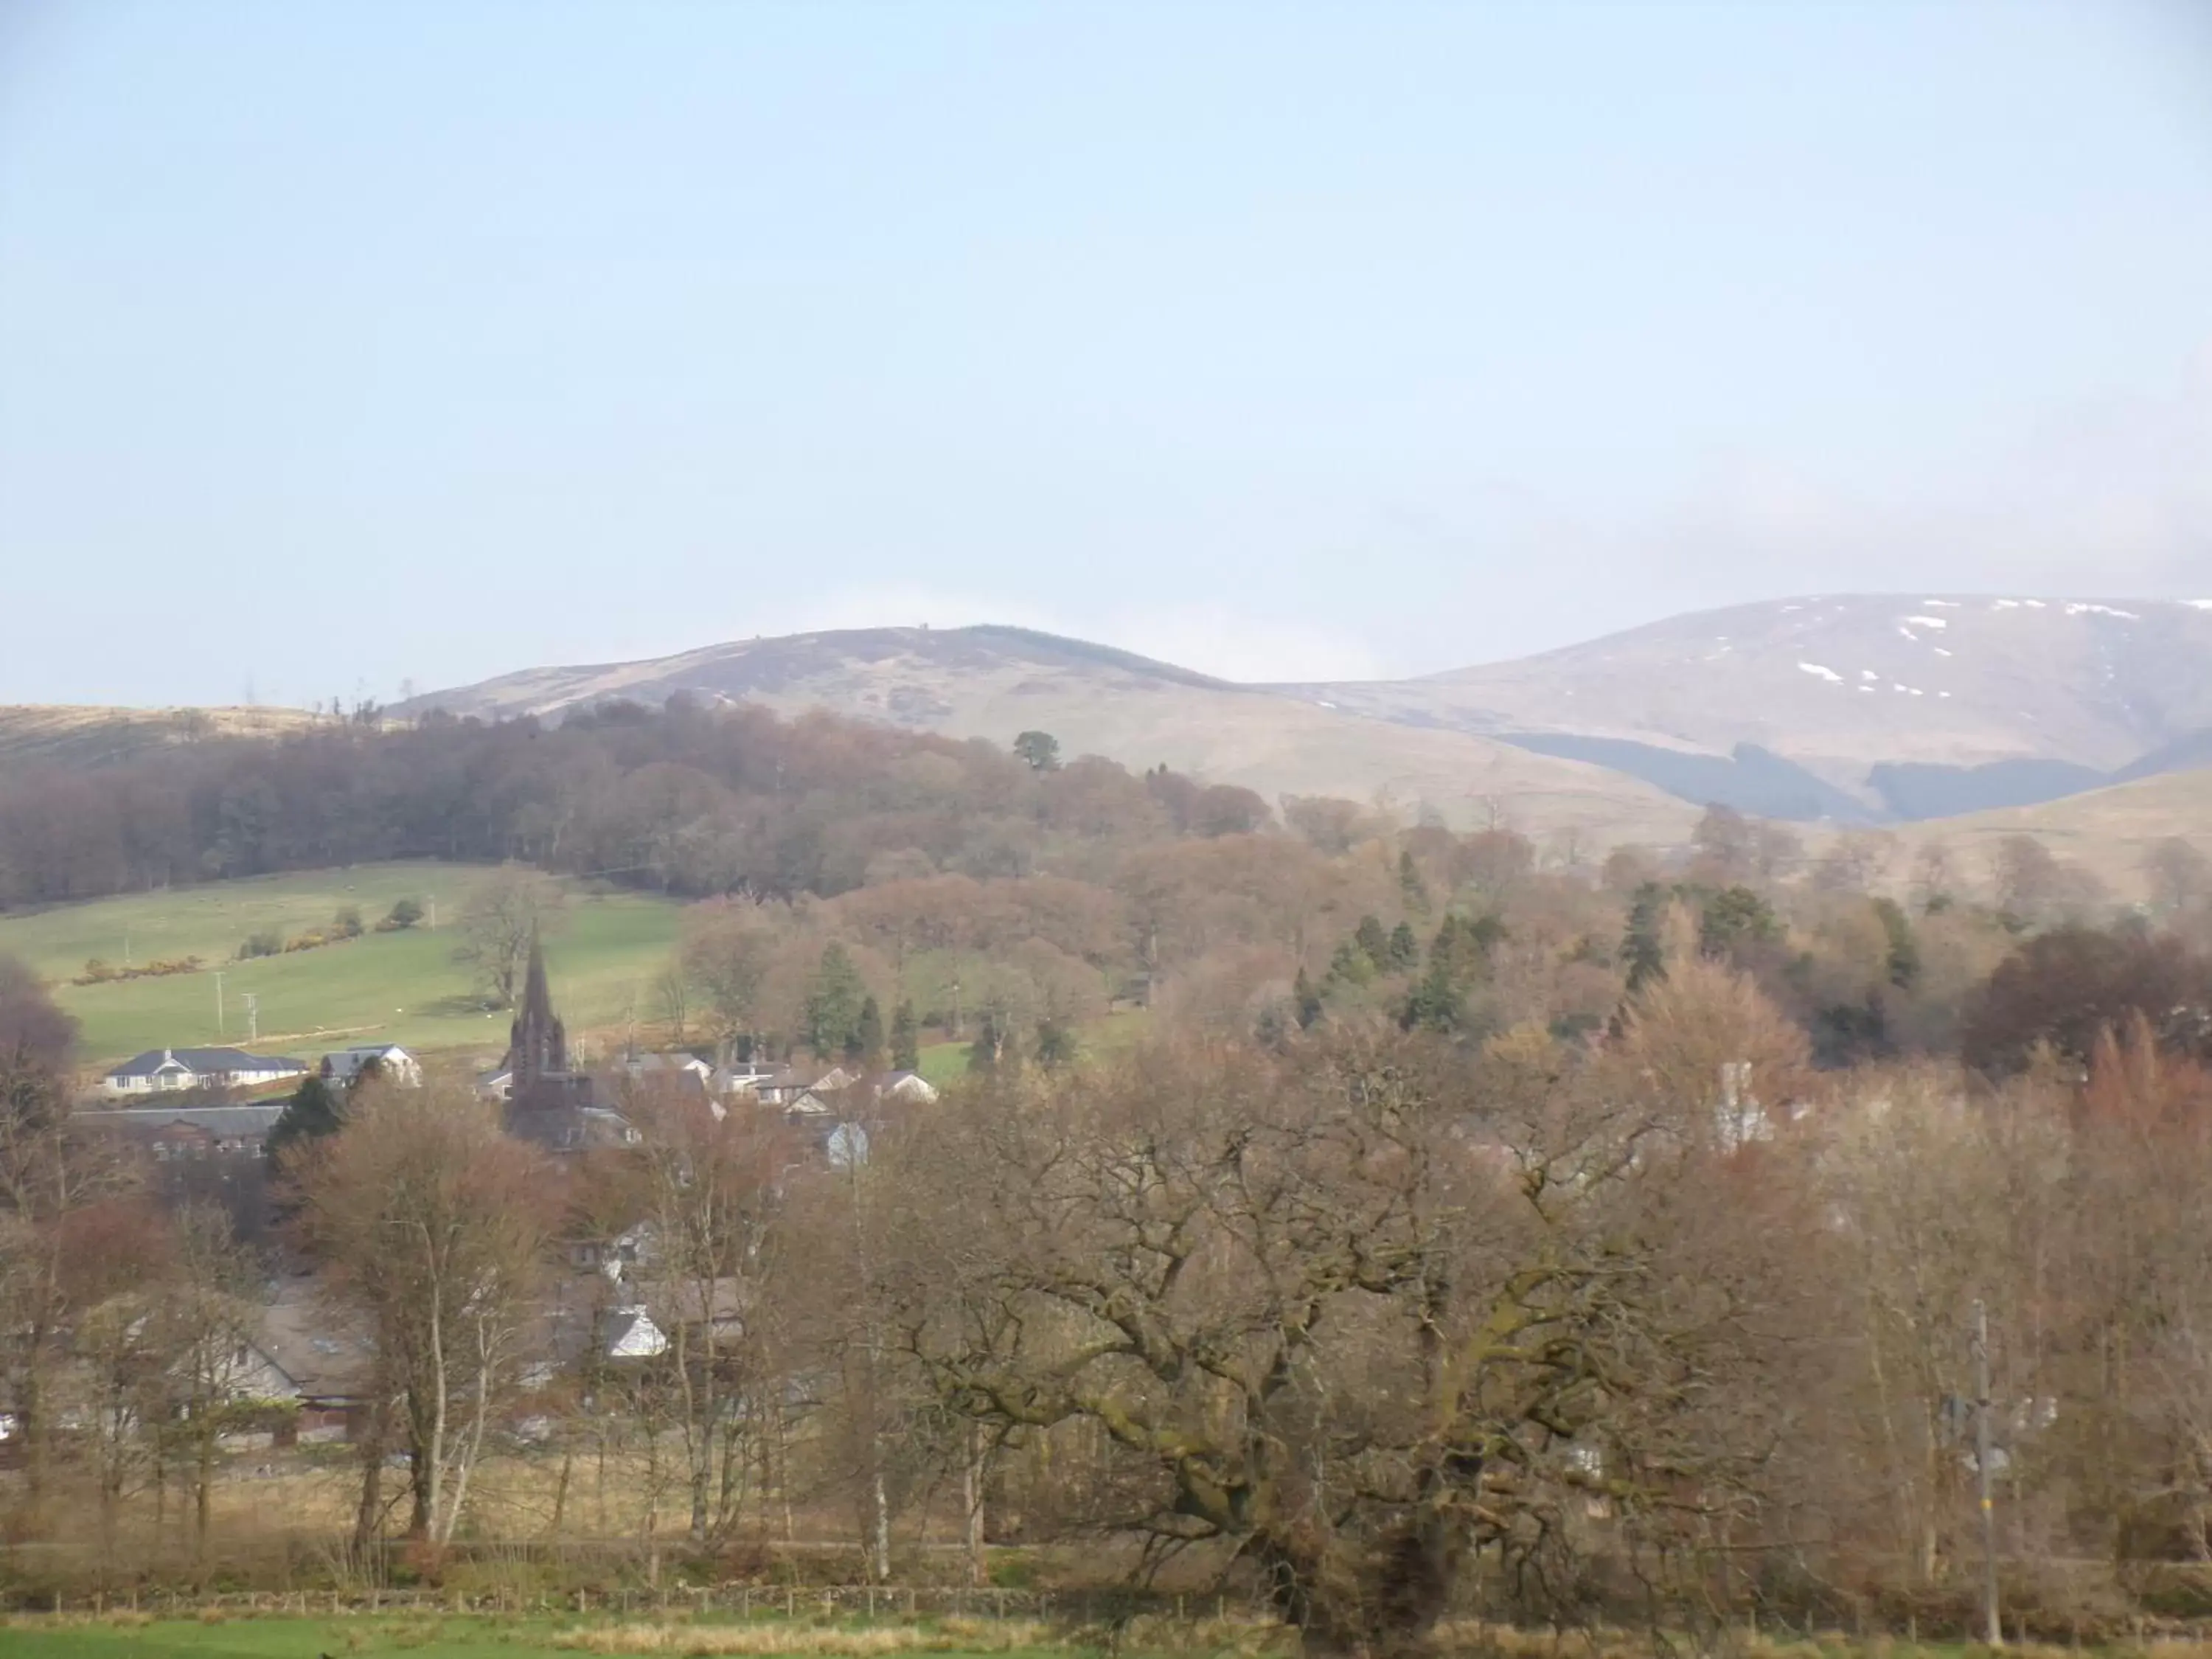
537	1046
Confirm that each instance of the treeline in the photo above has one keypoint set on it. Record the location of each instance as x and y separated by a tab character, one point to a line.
686	800
1345	916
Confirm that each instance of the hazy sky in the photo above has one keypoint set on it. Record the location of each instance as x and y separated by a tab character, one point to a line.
342	345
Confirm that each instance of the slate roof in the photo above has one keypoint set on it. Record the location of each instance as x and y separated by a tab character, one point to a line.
225	1122
313	1343
202	1062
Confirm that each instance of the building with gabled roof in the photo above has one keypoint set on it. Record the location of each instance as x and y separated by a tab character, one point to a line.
166	1071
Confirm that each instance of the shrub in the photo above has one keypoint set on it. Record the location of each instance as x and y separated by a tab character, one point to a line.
404	913
268	942
347	923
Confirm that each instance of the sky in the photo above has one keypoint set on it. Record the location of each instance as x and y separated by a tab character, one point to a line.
347	349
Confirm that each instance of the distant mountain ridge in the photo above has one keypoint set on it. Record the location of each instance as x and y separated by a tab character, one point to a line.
1866	707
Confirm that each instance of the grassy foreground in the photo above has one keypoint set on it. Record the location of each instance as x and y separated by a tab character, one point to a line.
476	1638
402	988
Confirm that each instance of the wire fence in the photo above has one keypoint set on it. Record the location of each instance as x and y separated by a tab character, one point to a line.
812	1603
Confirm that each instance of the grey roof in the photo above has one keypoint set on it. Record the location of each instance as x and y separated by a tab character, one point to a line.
226	1122
314	1342
203	1061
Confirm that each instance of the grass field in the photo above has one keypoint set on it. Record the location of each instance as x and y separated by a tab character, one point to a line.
402	988
465	1637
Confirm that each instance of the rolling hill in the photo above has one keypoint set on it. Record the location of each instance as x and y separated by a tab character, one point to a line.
990	682
81	735
1866	708
1890	706
2106	831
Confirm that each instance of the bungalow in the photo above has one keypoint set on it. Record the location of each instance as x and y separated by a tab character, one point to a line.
160	1070
393	1064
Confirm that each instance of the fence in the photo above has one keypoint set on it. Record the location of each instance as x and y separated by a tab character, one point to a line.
1079	1608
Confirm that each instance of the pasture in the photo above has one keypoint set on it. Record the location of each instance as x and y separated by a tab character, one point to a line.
406	988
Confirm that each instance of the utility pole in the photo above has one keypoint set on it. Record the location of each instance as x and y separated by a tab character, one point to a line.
1992	1626
252	1018
218	1002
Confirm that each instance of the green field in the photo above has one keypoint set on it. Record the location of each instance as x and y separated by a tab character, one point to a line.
404	988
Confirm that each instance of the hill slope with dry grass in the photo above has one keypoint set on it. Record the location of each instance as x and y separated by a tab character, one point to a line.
995	683
2106	832
67	734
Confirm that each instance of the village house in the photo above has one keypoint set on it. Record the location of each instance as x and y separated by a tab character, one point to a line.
175	1134
391	1062
164	1071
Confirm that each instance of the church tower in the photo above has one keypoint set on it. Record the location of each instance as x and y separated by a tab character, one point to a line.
537	1046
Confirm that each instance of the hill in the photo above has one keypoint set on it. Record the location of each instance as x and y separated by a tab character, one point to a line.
1900	706
402	988
993	682
1865	709
2106	832
74	735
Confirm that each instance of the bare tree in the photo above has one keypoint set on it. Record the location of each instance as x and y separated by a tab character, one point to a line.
1360	1317
507	910
431	1224
710	1188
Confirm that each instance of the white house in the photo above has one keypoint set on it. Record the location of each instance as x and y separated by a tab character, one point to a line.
393	1063
164	1070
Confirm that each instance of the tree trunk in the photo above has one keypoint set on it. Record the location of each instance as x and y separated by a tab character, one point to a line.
375	1437
971	1492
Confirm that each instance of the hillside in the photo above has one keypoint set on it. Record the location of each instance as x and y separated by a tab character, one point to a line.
2106	831
993	682
1907	706
74	735
402	988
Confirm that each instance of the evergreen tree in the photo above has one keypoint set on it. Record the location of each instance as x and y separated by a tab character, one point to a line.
1410	887
1373	943
1350	964
1404	949
994	1049
1055	1044
314	1110
1733	919
1305	1001
1435	1003
1641	951
1039	750
833	998
906	1040
867	1042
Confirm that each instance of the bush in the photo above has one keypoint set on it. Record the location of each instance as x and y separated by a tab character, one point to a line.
347	923
266	943
404	913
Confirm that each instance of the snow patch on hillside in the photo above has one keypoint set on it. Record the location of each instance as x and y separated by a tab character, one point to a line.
1827	674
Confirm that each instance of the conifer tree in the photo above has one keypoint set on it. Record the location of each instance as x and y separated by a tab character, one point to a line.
1373	943
834	1000
1404	949
1410	887
906	1040
1305	1001
866	1045
312	1112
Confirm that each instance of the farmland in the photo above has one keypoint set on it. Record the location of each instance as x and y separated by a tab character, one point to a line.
405	986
